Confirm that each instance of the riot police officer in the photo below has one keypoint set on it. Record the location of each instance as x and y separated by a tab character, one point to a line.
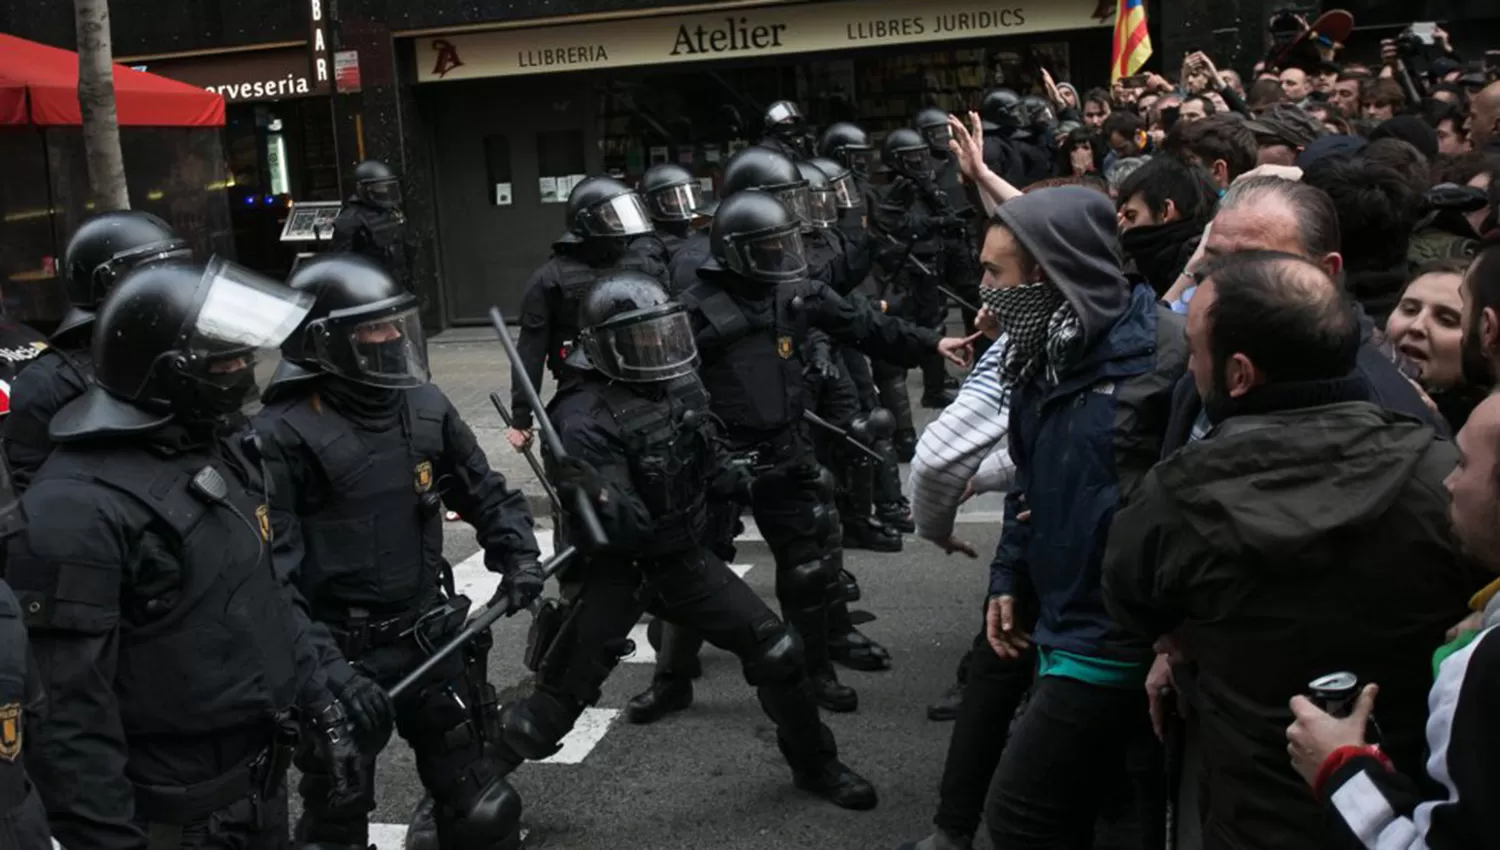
831	387
849	145
672	198
1002	116
750	312
101	251
642	443
604	220
1034	141
913	220
364	452
785	130
372	223
175	660
960	266
23	820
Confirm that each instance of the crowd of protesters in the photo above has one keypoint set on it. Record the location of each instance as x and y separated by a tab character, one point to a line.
1241	407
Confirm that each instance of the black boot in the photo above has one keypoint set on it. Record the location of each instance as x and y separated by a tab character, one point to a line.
947	706
904	444
683	661
422	833
849	647
872	535
896	516
665	696
817	770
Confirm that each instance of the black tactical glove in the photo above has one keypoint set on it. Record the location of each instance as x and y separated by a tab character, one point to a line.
519	587
732	484
369	712
579	476
333	742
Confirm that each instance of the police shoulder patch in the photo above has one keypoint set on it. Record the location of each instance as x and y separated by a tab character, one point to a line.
424	476
263	518
10	731
784	347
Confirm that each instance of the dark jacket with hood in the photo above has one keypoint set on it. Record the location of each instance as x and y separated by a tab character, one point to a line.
1293	543
1159	252
1081	445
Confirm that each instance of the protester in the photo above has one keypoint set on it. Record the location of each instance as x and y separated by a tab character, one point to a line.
1484	120
1268	577
1055	285
1481	341
1295	85
1368	792
1427	330
1348	95
1221	144
1096	108
1447	122
1382	99
1196	109
1377	210
1264	94
1282	132
1163	207
1125	134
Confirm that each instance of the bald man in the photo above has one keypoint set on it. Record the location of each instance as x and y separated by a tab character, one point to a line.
1484	119
1280	548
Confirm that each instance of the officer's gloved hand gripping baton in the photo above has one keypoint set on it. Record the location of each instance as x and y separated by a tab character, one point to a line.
583	508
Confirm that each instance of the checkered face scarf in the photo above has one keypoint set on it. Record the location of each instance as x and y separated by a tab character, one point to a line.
1041	328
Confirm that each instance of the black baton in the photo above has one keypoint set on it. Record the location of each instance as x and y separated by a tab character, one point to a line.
536	466
583	508
840	432
475	627
953	296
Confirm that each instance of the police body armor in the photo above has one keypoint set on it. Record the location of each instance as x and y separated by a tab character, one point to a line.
672	457
575	279
752	367
823	249
377	548
69	372
686	261
23	820
902	197
216	653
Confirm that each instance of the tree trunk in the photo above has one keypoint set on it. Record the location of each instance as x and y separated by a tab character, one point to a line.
96	100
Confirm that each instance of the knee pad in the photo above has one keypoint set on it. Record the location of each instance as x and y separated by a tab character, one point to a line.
490	821
826	483
828	526
777	657
881	423
806	585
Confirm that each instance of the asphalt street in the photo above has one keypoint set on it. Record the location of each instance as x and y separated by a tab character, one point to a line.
712	776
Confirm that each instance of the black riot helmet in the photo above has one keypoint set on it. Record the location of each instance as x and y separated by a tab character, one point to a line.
1001	111
1040	116
766	170
176	341
108	245
375	183
363	326
932	123
906	153
605	208
755	237
849	144
840	182
784	120
822	207
632	331
671	193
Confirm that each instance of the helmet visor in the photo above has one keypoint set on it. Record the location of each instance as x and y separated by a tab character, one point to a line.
796	199
914	161
657	346
388	350
674	203
622	215
386	191
937	136
823	207
772	257
845	193
241	309
784	112
857	158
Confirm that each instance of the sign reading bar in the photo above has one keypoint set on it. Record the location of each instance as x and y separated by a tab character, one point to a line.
320	67
769	31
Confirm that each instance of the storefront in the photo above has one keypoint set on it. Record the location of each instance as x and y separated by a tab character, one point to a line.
279	141
518	115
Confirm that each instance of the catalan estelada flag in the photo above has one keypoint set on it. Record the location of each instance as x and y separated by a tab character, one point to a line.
1132	42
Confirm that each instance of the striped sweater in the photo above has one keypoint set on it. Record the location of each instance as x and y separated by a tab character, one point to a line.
966	441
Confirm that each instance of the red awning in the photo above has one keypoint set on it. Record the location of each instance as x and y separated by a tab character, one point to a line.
39	86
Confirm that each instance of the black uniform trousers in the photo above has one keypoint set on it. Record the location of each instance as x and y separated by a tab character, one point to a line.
918	301
441	719
694	590
23	821
837	400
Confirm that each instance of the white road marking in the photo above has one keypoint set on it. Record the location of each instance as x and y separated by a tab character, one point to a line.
392	836
587	733
644	654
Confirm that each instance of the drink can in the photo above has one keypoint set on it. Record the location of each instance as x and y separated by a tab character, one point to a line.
1335	693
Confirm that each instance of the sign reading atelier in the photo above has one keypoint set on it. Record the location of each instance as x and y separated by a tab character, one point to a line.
318	55
769	31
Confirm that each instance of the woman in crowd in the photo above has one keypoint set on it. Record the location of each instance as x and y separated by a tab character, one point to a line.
1426	331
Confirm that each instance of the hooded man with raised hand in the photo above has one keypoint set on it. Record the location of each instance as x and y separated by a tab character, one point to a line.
1090	360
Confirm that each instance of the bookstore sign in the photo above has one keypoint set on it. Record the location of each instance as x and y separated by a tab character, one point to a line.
743	33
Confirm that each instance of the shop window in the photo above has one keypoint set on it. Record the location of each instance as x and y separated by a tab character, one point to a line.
497	167
561	164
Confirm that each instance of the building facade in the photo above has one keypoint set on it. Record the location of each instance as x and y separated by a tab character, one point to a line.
491	110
